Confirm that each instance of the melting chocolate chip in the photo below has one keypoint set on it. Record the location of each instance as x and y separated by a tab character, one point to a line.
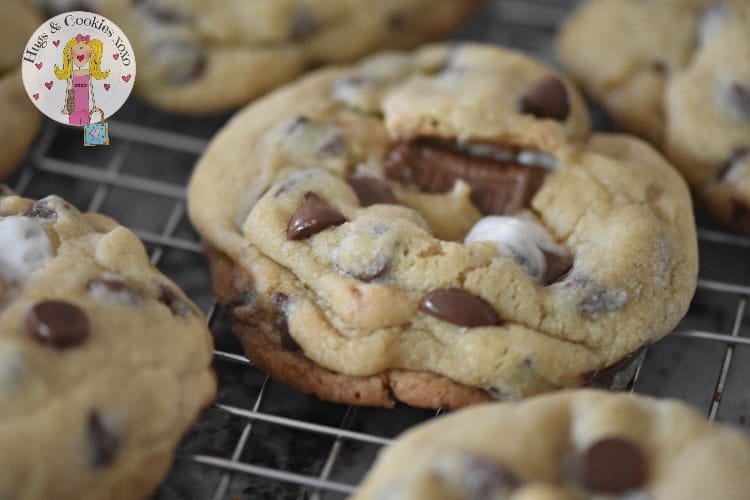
312	216
547	98
40	210
497	187
613	465
280	301
738	155
103	441
558	266
460	308
169	298
113	289
371	191
739	98
304	23
56	323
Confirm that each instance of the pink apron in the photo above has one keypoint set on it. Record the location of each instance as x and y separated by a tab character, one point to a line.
80	114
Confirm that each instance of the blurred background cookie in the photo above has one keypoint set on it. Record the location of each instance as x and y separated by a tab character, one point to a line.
676	72
578	444
19	120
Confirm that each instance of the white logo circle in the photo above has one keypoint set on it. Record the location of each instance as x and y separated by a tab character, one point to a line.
76	65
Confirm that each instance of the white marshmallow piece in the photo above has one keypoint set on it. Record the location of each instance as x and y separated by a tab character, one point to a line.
24	246
518	238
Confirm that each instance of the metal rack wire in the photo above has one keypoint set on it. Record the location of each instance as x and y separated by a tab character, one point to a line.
261	439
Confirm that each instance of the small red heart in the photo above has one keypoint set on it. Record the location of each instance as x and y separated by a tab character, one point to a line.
56	43
38	65
36	97
48	85
106	86
115	56
81	57
126	78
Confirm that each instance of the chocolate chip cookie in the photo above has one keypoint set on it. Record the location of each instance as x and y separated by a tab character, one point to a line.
199	57
20	119
680	78
440	228
573	445
104	363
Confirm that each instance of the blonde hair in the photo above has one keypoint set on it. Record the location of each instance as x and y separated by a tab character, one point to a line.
95	63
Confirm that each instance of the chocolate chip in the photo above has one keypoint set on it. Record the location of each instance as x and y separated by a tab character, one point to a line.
396	21
613	465
297	123
113	289
182	61
312	216
605	377
459	307
304	23
103	441
59	324
169	298
558	266
40	210
601	300
371	190
5	190
160	13
547	98
738	155
376	272
497	187
740	212
332	147
280	301
739	98
659	67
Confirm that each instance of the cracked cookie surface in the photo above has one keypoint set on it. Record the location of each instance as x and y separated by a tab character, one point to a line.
21	119
681	80
198	57
568	446
440	227
104	363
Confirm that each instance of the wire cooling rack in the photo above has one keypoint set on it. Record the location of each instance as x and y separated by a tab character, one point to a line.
262	439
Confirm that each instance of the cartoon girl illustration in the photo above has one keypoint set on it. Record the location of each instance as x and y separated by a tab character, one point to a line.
80	52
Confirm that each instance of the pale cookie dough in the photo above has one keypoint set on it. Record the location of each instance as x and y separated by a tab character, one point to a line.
196	56
574	445
104	363
335	213
19	119
680	78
